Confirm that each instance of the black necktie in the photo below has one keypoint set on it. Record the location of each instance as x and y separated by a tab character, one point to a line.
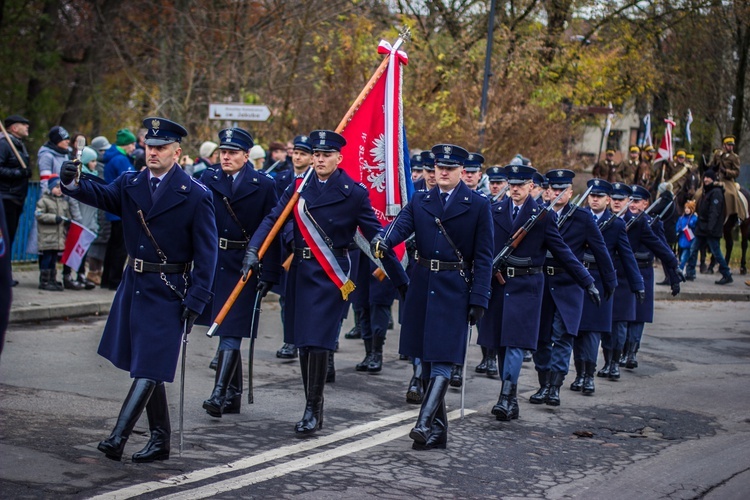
444	198
230	178
596	219
154	184
515	212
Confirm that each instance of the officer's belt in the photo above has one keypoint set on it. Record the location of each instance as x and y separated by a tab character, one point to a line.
644	259
552	270
514	272
441	265
306	253
644	263
140	266
225	244
589	261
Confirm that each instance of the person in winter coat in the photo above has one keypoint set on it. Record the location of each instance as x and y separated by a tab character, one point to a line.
686	225
53	154
88	217
51	211
710	227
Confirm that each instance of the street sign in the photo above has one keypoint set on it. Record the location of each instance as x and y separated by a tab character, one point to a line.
238	112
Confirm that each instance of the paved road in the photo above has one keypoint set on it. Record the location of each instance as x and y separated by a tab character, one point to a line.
677	427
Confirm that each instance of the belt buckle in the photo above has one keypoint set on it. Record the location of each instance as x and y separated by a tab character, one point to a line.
138	265
586	264
551	270
306	253
434	265
223	243
510	272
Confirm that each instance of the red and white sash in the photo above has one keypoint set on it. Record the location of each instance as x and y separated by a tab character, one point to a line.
320	250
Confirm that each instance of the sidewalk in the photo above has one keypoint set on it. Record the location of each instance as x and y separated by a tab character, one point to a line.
32	304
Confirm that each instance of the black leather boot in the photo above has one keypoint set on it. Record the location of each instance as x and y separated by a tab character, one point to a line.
233	401
71	284
45	283
492	370
506	408
604	372
482	366
214	405
132	407
540	396
362	367
317	369
415	392
555	382
624	354
632	361
433	400
457	377
215	360
287	351
53	279
304	358
578	382
588	378
331	375
438	439
376	362
157	411
614	367
356	331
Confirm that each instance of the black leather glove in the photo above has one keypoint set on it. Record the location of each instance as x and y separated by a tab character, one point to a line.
378	247
411	245
675	278
402	289
68	171
250	262
475	314
640	296
190	316
58	219
594	294
608	292
675	288
264	287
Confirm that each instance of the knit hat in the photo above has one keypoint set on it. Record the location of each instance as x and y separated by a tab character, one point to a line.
710	174
124	137
256	152
207	149
58	134
53	181
88	155
100	143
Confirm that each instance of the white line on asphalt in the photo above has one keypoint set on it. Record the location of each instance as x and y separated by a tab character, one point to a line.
275	471
247	462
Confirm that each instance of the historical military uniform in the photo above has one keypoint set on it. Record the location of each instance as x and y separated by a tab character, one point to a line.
513	319
643	174
326	217
596	321
627	170
562	302
726	164
450	284
170	237
608	168
241	199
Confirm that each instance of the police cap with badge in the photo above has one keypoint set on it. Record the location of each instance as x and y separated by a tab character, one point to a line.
327	141
497	174
560	178
620	191
449	155
416	163
428	160
640	193
303	143
599	187
235	139
161	131
540	180
473	162
519	174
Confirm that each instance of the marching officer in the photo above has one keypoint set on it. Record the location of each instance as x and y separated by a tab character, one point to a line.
416	168
563	299
428	172
645	244
170	237
331	206
242	196
512	323
472	172
540	185
450	284
498	180
595	320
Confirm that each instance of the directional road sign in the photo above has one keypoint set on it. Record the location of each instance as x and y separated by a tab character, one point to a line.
238	112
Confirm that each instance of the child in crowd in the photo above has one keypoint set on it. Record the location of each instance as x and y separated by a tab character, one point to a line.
685	226
52	210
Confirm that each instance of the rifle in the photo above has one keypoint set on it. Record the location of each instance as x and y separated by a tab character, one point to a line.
661	214
604	225
575	207
500	194
635	219
501	258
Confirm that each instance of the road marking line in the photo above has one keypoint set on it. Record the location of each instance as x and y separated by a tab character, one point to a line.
275	471
247	462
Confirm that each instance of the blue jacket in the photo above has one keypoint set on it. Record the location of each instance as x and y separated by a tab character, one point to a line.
629	279
314	304
115	164
144	331
435	327
253	198
683	222
513	317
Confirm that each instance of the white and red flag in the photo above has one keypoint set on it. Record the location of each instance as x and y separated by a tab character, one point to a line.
77	243
375	140
665	151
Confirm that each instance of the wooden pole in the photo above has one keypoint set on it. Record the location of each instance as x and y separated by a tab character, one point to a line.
12	146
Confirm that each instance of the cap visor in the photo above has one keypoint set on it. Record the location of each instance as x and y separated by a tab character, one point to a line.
159	142
233	147
560	186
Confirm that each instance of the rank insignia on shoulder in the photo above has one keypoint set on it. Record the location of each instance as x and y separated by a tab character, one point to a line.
255	179
466	198
363	185
183	187
346	186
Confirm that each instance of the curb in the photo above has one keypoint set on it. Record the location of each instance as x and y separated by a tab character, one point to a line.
45	313
698	296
